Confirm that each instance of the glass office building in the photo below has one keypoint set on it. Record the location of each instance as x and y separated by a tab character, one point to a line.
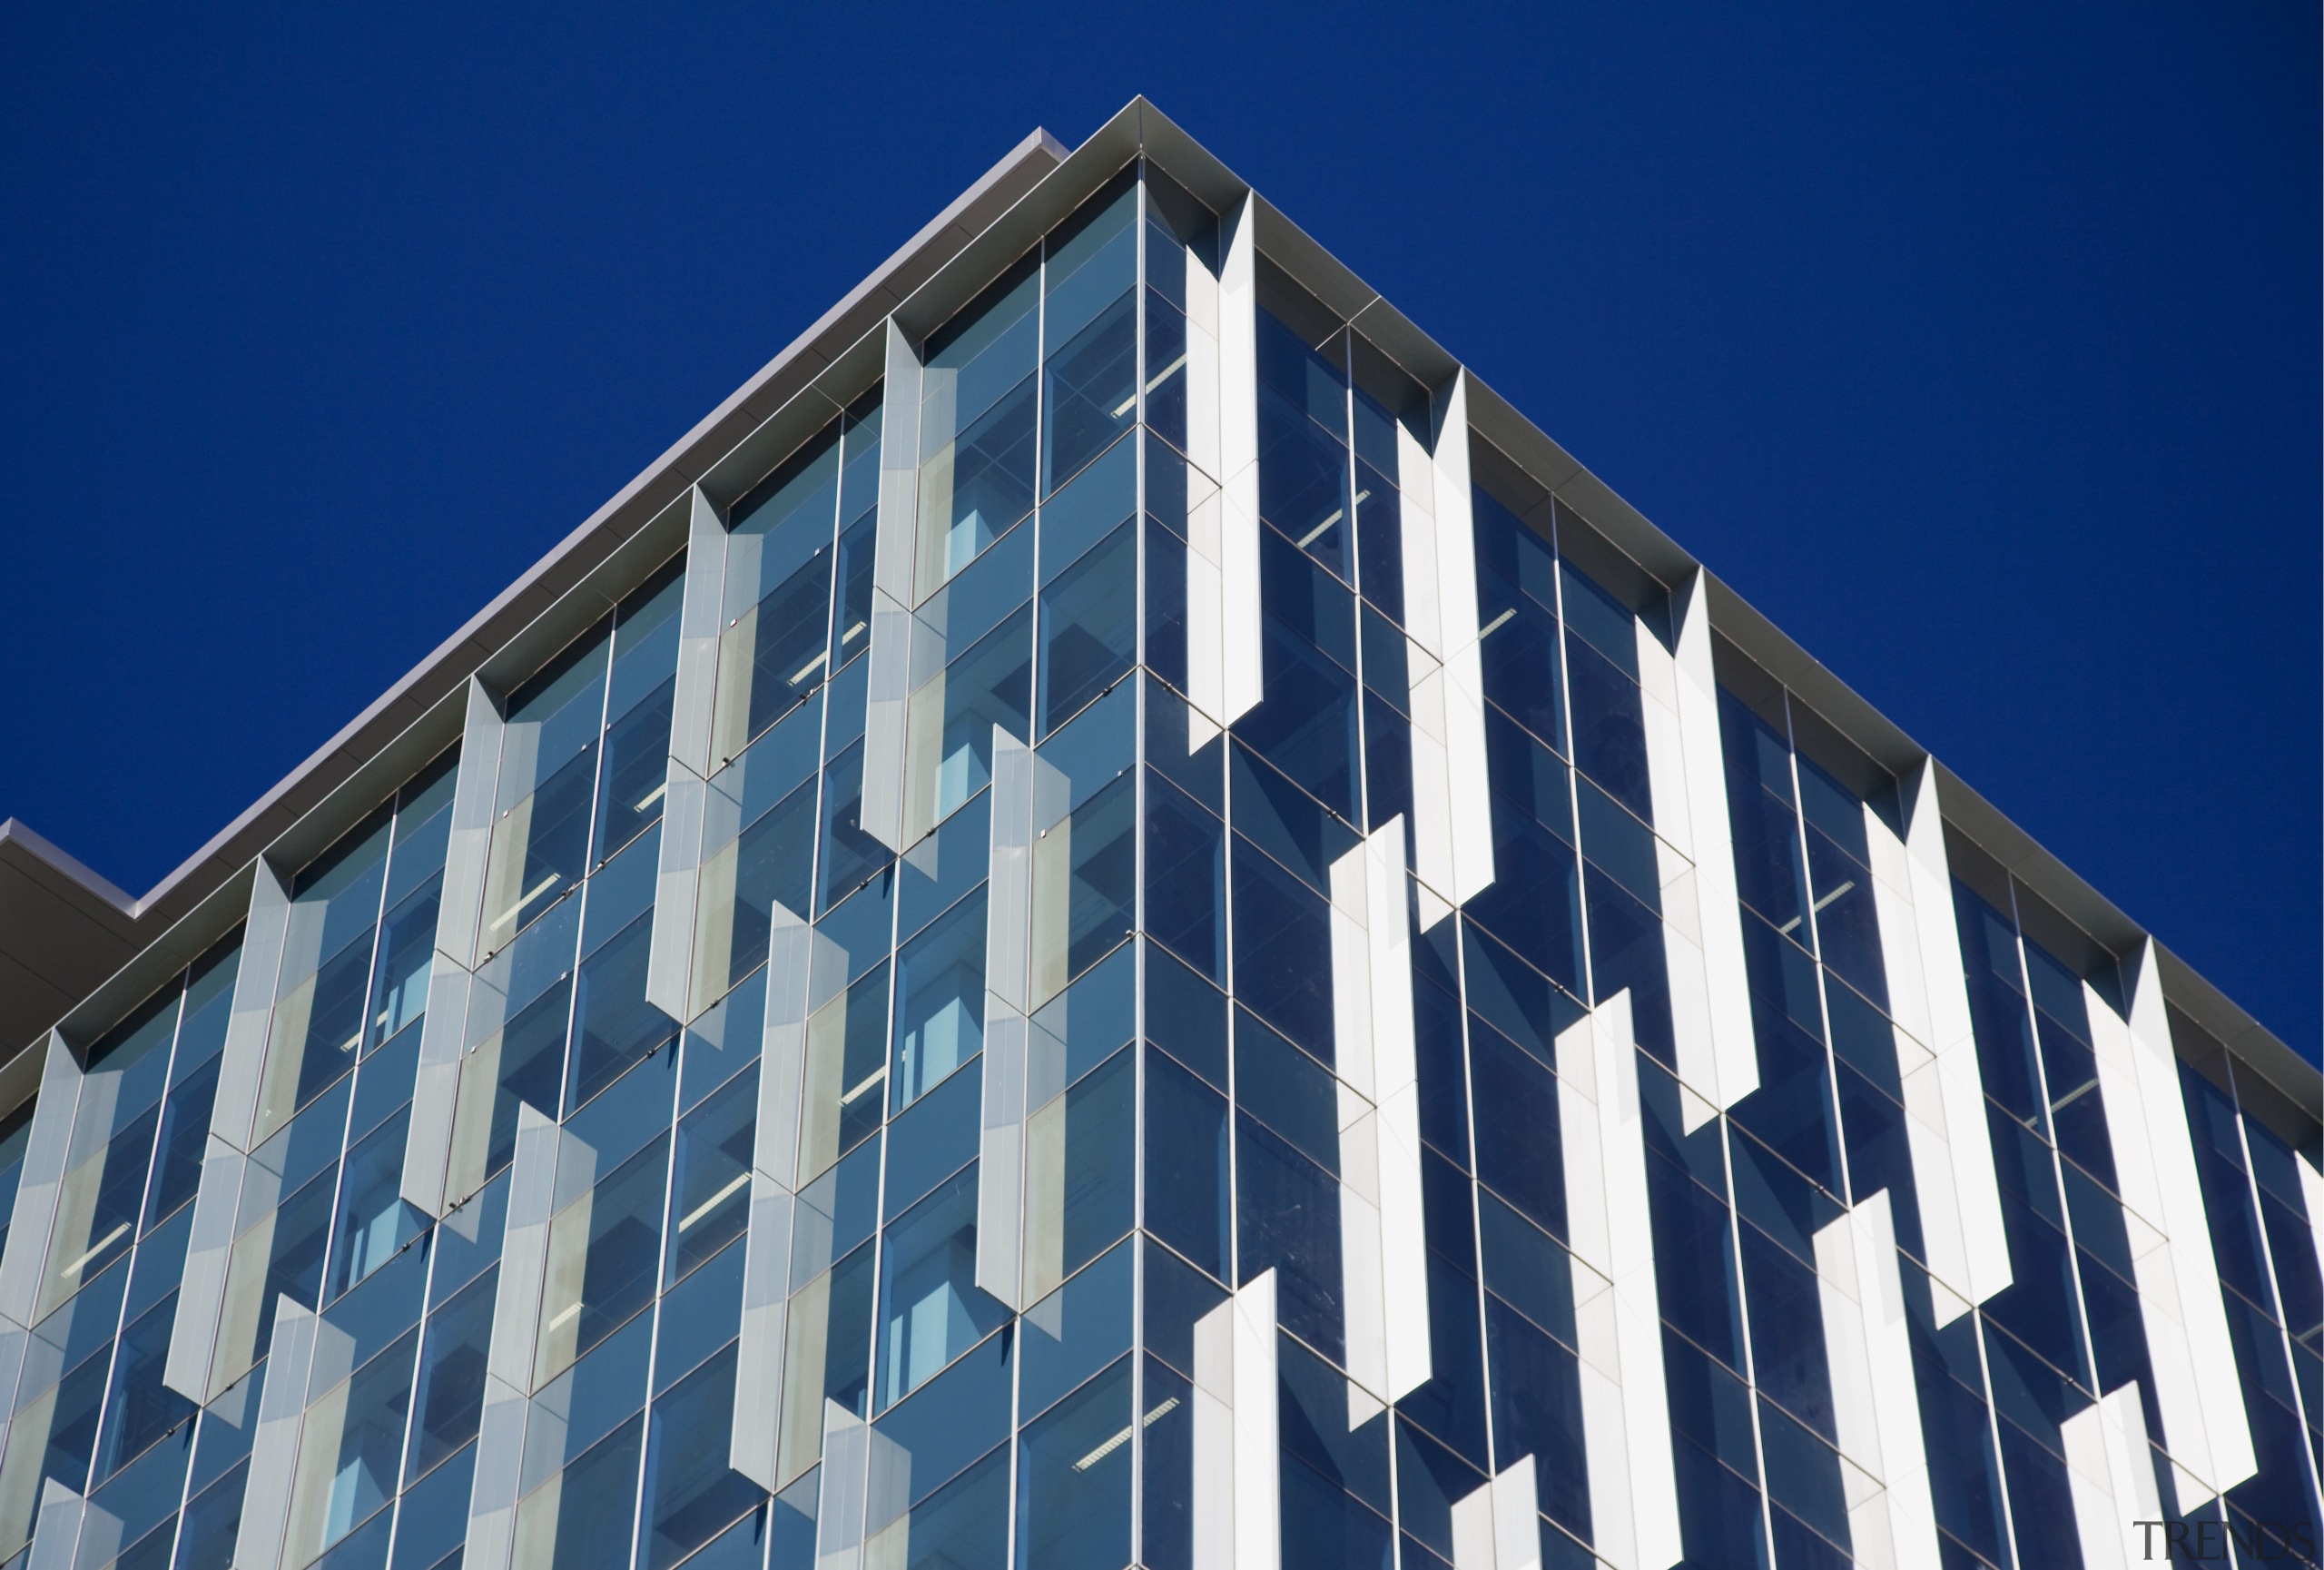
1115	920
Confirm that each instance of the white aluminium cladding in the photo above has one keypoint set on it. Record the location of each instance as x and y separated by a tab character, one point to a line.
1377	914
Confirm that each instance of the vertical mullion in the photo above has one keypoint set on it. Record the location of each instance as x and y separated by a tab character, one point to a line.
1363	824
1743	1313
362	1033
2086	1348
427	1305
653	1336
1573	773
129	1259
1033	736
2275	1289
1993	1437
1816	947
589	845
1143	220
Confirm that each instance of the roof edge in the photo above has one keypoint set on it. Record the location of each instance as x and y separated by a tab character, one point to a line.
66	883
16	831
984	222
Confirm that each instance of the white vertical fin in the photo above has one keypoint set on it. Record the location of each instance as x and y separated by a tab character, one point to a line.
1452	806
434	1097
669	959
1471	871
274	1446
805	969
1944	1089
1009	924
1496	1526
1516	1516
669	963
1205	590
1383	1251
1394	1065
1625	1417
894	537
193	1367
1692	1024
242	1062
839	1499
1719	1053
1875	1405
1424	625
2199	1393
57	1528
2109	1472
1240	644
1236	1508
30	1363
700	615
511	1355
48	1153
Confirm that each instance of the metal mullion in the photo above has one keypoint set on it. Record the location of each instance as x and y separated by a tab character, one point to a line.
363	1032
2275	1289
1033	736
1137	921
1573	772
1992	1430
1816	939
427	1305
2087	1347
831	600
1355	585
589	845
1476	1228
136	1237
339	1178
1234	1027
411	1416
653	1339
1743	1313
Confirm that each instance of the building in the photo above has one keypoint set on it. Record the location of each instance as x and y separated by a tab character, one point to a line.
990	965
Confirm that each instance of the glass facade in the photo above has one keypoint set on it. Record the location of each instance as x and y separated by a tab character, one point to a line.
1130	1150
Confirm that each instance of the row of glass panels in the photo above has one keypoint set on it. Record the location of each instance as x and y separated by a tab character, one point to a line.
1217	1137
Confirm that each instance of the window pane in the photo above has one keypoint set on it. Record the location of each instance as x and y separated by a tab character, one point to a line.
1073	1487
850	856
1519	651
931	1310
1283	950
613	1025
990	684
1087	510
711	1199
1186	876
939	999
374	1220
450	1391
406	955
976	486
540	834
604	1257
1288	1220
1303	482
1091	390
1186	1191
690	1495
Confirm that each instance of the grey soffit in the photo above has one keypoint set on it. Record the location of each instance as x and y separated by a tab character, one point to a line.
63	929
982	232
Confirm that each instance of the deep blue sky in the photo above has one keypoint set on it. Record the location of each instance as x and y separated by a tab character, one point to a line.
1976	345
